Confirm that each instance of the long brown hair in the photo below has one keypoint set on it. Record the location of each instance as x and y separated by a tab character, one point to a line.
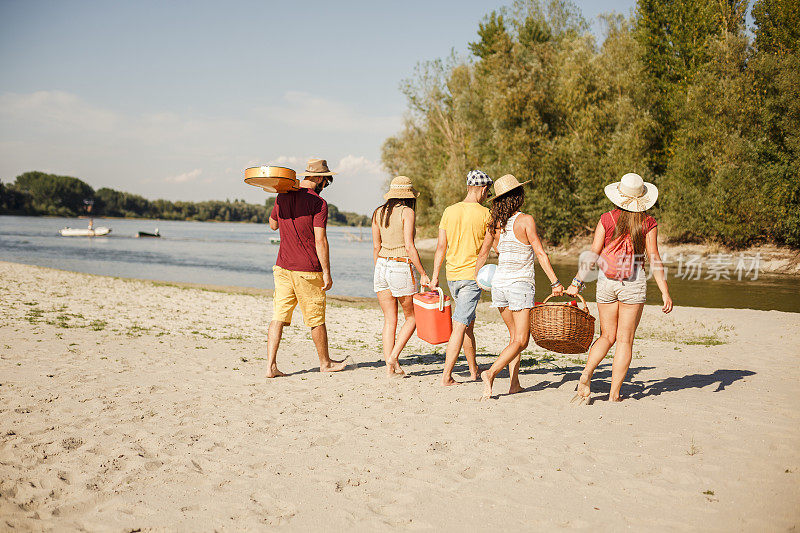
504	206
384	211
632	223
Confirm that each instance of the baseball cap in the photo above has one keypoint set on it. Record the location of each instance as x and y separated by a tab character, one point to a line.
478	178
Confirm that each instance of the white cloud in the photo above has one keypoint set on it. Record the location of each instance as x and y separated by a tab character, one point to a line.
134	151
359	165
185	177
305	110
290	161
56	110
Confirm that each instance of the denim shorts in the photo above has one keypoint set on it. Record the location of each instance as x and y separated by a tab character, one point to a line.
395	276
633	291
466	294
517	296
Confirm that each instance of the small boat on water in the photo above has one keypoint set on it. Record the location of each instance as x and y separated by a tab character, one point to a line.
146	234
91	231
84	232
275	240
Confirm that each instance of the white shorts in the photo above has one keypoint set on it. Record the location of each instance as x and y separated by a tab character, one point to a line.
517	295
396	276
627	292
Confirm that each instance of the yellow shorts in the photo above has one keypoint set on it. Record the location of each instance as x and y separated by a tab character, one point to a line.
298	288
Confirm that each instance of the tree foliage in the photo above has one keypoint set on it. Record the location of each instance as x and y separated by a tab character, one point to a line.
676	93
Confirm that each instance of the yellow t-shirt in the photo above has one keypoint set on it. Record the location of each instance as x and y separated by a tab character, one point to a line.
465	225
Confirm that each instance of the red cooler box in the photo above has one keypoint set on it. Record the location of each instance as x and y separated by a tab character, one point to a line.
433	314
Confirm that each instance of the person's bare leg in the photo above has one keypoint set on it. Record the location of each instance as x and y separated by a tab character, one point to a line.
388	305
470	352
608	334
629	316
513	366
517	343
273	341
320	336
406	331
451	354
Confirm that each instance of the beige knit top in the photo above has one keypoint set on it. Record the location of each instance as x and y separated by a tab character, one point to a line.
392	242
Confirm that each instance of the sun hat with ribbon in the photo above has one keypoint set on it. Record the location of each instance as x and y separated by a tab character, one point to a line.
506	184
401	187
632	193
317	167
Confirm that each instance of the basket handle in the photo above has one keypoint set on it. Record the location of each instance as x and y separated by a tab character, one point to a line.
585	305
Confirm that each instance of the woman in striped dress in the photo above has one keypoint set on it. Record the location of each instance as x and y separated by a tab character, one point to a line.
513	234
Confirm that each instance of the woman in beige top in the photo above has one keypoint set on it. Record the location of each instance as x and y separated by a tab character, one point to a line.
395	258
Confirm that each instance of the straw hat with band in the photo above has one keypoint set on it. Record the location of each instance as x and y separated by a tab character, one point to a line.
506	184
632	193
401	187
318	167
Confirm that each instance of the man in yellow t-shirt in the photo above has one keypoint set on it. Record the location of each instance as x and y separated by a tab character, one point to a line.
461	234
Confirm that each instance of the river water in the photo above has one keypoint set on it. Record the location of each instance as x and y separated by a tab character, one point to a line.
240	254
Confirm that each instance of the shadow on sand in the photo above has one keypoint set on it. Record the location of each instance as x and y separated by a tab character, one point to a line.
601	381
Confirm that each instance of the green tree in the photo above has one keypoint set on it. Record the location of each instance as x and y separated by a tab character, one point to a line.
777	26
54	195
674	37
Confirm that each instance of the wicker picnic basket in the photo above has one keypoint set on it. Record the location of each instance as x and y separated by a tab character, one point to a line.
561	327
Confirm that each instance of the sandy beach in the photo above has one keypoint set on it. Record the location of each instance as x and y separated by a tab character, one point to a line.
130	405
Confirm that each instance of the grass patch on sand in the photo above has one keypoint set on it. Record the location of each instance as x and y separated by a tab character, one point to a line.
706	340
529	359
136	331
693	450
34	315
697	334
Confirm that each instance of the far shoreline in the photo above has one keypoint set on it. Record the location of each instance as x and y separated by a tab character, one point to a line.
334	300
336	224
775	260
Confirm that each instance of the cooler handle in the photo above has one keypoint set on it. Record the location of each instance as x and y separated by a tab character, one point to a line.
441	296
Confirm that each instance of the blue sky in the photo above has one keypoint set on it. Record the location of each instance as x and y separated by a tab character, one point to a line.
174	99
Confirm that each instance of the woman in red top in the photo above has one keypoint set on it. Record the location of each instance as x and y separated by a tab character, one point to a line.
623	239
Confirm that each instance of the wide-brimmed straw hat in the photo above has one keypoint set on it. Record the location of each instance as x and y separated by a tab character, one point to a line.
317	167
632	193
401	187
505	184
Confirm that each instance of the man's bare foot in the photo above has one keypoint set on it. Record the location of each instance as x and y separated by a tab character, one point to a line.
614	398
515	388
275	373
334	366
448	381
487	385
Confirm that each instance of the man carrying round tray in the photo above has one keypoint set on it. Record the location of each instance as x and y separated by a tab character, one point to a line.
302	271
461	234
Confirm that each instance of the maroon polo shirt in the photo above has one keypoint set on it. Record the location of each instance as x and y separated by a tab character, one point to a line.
298	213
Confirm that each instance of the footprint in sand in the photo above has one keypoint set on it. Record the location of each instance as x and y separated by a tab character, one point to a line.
273	512
71	443
326	440
151	466
469	473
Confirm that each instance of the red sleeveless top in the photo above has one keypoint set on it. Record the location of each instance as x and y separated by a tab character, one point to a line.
609	222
